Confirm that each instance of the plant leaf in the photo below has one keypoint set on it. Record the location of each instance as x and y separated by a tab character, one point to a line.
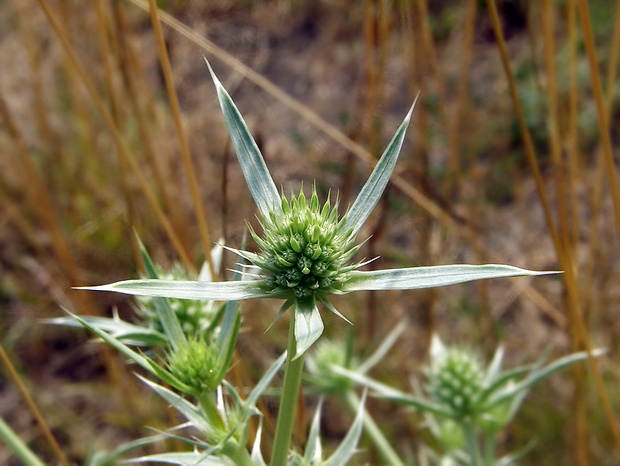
229	332
112	458
348	446
388	393
129	333
373	189
184	459
314	453
429	277
142	361
169	320
540	374
383	349
191	412
213	291
265	380
308	325
253	165
257	456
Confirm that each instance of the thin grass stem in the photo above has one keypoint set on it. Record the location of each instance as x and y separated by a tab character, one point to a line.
118	138
471	444
17	446
32	406
190	170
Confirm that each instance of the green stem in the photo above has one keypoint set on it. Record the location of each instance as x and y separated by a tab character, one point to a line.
18	446
237	453
489	448
471	442
383	447
288	401
209	406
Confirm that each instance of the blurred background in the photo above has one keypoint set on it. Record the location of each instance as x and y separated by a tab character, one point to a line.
109	126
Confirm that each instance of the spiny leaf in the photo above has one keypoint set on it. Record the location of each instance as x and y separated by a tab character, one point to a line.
253	165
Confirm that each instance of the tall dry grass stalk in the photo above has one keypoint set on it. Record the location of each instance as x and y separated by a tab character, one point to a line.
199	210
559	232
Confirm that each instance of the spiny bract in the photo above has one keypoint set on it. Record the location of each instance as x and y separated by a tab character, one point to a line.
304	248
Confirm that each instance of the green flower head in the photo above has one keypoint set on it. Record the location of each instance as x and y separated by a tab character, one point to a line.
195	364
305	248
456	380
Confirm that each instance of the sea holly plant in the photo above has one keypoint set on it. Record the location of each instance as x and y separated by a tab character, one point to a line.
467	403
305	257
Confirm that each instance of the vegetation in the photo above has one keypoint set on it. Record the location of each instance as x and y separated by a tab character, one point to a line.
111	132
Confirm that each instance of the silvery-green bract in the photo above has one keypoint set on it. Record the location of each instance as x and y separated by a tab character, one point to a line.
305	248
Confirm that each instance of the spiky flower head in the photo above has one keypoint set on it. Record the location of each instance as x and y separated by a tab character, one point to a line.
304	248
455	380
195	364
330	354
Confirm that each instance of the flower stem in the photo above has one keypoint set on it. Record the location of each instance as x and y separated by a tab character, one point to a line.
385	450
471	443
209	406
237	453
288	402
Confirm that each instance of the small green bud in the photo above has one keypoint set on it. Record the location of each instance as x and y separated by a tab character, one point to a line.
194	364
455	380
297	242
194	316
330	353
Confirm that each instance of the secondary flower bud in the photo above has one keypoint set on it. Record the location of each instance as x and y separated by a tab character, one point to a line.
455	380
194	364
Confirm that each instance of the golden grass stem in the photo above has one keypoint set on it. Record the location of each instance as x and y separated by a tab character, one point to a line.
115	107
577	325
572	137
164	60
527	138
462	94
132	76
116	134
601	111
32	406
565	253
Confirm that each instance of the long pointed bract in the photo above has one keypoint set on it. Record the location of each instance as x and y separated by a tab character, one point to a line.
429	277
214	291
253	165
308	325
373	189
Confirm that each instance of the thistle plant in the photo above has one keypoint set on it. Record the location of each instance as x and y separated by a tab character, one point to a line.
467	404
324	365
305	257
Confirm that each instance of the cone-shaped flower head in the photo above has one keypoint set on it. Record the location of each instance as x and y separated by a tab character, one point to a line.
195	363
305	249
456	379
